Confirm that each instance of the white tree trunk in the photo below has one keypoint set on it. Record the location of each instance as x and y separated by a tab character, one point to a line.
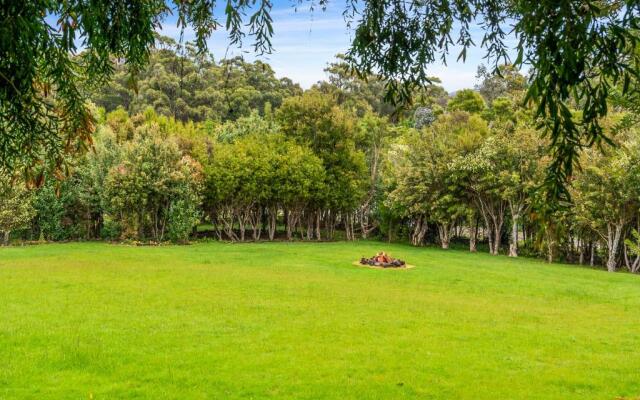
497	238
473	236
444	232
614	231
513	244
272	222
317	213
419	231
581	254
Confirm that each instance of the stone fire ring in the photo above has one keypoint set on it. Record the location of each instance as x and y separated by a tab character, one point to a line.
406	266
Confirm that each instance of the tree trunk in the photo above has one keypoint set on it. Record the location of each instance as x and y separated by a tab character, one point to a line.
347	231
272	222
634	265
242	228
309	225
419	231
473	237
581	254
613	241
496	239
444	231
318	237
289	228
5	238
140	225
363	227
352	226
592	248
488	233
513	244
292	221
550	249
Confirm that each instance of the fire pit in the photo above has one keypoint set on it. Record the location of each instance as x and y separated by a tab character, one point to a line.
382	260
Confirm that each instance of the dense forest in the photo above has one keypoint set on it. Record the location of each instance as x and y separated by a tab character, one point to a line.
224	149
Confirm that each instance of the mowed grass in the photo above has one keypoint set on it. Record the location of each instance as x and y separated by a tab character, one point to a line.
298	320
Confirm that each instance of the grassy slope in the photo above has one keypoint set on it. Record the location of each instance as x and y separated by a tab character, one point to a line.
299	321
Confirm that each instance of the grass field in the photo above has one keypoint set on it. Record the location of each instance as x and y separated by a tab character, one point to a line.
279	320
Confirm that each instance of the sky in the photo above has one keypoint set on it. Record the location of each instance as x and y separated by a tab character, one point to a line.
305	42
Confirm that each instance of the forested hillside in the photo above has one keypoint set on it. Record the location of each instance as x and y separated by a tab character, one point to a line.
181	84
199	147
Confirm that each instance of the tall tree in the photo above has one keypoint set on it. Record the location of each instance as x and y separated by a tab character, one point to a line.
315	120
606	194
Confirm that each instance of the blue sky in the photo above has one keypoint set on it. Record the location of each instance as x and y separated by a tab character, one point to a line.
305	42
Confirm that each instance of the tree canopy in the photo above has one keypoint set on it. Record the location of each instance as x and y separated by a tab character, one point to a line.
579	52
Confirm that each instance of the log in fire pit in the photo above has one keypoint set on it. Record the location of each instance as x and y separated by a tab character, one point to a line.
383	260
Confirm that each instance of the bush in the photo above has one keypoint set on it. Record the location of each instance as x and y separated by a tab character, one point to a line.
111	230
183	216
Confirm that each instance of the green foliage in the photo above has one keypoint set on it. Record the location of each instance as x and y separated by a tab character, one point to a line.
50	212
467	100
42	77
244	126
426	185
578	51
606	193
180	83
506	81
315	120
111	229
15	206
183	217
257	172
151	175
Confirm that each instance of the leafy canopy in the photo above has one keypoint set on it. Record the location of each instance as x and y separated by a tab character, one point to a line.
578	51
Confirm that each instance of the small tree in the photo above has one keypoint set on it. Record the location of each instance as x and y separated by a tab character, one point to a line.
606	196
150	179
15	207
467	100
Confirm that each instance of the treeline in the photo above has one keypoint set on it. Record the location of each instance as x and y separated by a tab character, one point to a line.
334	162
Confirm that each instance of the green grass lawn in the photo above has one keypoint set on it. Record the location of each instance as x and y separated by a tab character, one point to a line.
280	320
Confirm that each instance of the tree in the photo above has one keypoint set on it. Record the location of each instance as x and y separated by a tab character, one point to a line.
514	162
179	82
375	135
428	186
467	100
252	178
578	50
91	177
633	247
151	179
16	210
363	92
53	202
315	120
506	81
43	113
606	196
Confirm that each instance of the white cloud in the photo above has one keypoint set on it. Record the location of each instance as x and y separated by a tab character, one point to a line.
304	42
